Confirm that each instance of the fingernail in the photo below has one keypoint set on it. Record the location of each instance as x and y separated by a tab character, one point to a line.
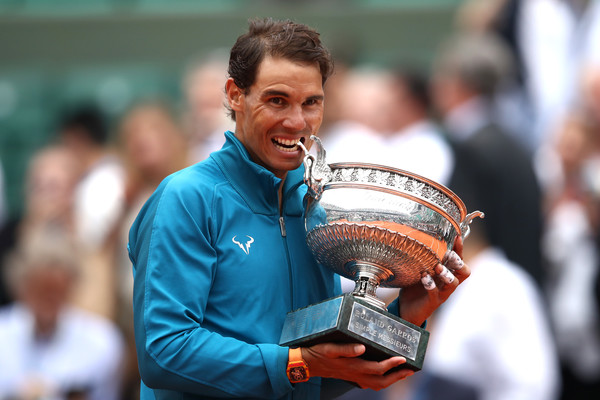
456	262
446	275
428	282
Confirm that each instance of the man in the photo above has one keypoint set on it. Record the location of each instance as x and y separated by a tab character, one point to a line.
468	73
99	195
204	117
415	139
51	349
219	250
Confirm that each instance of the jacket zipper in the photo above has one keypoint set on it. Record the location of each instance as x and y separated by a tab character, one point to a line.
282	226
287	255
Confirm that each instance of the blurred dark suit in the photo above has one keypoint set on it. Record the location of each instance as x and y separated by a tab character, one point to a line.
494	174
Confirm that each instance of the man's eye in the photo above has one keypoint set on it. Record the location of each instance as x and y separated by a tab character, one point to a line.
276	100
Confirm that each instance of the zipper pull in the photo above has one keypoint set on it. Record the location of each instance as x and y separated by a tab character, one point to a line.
282	226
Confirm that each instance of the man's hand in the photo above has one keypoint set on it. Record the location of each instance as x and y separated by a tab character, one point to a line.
419	301
341	361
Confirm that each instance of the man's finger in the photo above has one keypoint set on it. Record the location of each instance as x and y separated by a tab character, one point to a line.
338	350
382	367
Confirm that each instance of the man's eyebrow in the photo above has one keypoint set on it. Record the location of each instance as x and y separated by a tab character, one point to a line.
279	93
316	97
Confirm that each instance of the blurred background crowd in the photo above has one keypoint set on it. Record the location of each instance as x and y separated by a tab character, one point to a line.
497	99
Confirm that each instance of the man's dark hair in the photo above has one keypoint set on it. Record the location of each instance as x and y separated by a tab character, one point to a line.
285	39
87	120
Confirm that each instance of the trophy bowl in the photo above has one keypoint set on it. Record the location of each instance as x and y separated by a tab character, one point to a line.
378	226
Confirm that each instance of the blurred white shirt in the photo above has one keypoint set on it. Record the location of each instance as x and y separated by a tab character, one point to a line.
85	353
99	201
573	257
557	44
420	148
493	334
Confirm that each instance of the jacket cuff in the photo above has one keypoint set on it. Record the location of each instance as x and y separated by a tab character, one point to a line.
276	359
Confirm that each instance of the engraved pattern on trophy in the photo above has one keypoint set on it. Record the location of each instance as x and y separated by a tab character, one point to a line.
399	259
344	172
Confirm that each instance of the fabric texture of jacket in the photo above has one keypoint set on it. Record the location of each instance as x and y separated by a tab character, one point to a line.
216	270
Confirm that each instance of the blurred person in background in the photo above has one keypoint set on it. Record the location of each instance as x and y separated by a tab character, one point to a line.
49	349
553	42
52	178
416	143
384	119
50	181
97	203
204	117
152	146
557	40
364	116
492	340
99	194
571	246
467	72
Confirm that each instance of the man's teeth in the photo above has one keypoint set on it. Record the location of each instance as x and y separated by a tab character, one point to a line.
286	144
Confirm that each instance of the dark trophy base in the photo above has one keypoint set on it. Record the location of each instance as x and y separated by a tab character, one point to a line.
349	319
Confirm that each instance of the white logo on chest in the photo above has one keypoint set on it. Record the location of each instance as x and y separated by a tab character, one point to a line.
244	246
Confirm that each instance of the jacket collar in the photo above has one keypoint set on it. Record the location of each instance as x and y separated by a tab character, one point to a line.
254	183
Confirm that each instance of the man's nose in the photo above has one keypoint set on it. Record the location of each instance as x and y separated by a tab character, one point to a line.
295	118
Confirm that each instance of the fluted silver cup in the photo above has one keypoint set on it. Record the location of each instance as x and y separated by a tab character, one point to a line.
378	225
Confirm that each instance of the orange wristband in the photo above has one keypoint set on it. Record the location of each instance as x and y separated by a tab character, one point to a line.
297	370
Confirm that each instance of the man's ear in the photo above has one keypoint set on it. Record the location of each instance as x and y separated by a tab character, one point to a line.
235	95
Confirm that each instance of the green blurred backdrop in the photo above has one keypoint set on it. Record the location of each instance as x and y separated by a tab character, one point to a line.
54	53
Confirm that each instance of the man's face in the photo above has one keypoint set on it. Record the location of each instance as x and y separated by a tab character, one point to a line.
282	107
46	291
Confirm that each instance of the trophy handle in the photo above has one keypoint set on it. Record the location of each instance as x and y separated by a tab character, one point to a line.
316	170
465	229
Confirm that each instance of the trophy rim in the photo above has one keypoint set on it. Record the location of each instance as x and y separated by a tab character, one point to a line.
385	189
445	190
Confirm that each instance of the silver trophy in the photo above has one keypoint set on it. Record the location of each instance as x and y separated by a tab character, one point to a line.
378	226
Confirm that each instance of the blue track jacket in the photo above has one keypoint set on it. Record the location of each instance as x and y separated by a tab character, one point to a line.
216	270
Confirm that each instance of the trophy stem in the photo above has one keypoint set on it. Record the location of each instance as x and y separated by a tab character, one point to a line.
368	277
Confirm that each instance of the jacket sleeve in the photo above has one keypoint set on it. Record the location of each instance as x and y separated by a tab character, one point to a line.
174	264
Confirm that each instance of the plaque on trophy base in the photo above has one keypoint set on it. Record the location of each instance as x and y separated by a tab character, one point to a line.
348	319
